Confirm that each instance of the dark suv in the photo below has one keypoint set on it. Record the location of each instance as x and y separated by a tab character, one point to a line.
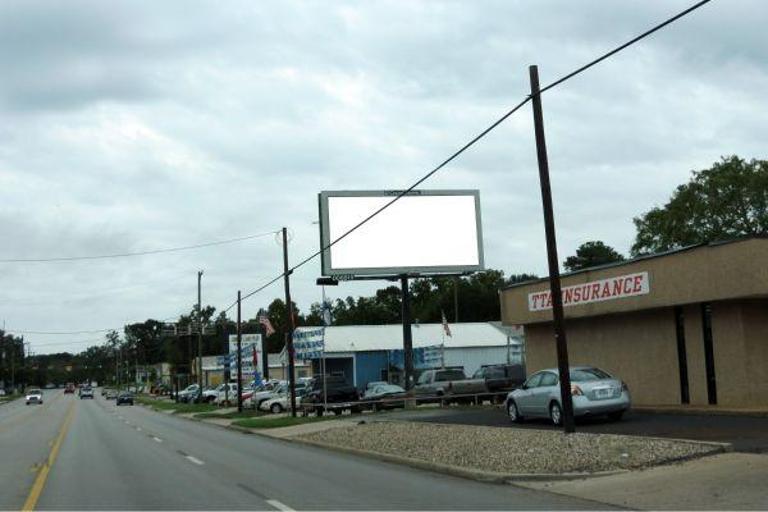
339	395
500	379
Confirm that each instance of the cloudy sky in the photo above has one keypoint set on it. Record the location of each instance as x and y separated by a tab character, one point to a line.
133	126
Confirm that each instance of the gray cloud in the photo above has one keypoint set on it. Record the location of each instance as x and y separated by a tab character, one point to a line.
138	125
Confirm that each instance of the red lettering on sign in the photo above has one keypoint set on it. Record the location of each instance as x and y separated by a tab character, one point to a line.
568	296
616	287
549	300
606	290
577	294
628	285
595	291
638	284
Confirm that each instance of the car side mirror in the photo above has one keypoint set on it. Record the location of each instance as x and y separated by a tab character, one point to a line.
524	386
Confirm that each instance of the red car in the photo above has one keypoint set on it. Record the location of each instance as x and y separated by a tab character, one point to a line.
70	388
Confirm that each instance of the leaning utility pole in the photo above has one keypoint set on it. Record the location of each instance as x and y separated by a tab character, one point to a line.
554	266
199	340
289	324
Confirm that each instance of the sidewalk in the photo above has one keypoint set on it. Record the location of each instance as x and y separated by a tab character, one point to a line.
729	481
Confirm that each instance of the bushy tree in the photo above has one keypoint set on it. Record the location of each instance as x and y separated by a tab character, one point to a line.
592	254
728	200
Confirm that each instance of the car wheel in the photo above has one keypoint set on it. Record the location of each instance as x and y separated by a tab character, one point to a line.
615	416
513	413
276	408
555	413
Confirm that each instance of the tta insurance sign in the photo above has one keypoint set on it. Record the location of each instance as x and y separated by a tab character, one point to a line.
618	287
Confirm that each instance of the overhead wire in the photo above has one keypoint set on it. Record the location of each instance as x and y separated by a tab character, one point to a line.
477	138
137	253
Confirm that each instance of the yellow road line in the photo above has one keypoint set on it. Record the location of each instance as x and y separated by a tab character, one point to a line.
42	476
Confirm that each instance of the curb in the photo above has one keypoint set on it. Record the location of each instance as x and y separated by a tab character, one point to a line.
467	473
700	412
471	474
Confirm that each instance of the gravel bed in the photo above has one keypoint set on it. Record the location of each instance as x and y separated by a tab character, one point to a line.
510	450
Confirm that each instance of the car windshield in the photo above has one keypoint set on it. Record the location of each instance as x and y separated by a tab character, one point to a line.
388	388
35	392
587	374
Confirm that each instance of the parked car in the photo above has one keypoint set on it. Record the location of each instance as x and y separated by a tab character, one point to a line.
104	391
447	382
124	397
281	402
34	396
86	393
111	394
500	379
226	394
188	393
259	397
594	391
338	395
69	388
384	396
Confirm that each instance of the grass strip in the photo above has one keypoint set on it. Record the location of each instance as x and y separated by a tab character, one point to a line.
164	405
287	421
231	415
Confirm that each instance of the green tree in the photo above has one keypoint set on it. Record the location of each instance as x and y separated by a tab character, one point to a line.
592	254
728	200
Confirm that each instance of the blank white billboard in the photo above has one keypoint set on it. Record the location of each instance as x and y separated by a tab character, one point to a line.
422	232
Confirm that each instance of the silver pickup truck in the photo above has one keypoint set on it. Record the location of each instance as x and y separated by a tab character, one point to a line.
447	382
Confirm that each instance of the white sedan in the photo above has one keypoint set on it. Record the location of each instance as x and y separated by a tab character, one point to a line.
34	396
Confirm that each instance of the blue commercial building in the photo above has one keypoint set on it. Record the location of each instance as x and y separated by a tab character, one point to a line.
367	353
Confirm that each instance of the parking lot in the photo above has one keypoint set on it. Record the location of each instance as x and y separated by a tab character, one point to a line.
746	433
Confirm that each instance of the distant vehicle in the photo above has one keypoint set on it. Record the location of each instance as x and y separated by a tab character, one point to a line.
124	397
447	382
259	397
111	394
384	396
86	393
500	379
595	392
34	396
104	391
69	388
50	386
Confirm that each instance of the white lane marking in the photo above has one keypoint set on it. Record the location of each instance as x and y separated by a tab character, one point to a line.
280	506
157	439
195	460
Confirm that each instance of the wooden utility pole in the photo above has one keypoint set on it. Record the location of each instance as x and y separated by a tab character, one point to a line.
554	265
239	356
289	324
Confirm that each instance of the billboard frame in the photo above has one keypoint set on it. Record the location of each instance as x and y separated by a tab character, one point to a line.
384	272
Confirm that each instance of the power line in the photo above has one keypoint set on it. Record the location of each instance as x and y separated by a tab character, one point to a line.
477	138
139	253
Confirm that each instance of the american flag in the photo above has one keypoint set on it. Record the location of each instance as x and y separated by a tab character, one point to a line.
264	320
445	326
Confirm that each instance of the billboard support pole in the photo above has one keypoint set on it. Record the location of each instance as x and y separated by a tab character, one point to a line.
289	323
554	266
407	334
239	355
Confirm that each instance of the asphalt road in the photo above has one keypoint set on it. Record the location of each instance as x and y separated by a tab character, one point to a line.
746	433
111	458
